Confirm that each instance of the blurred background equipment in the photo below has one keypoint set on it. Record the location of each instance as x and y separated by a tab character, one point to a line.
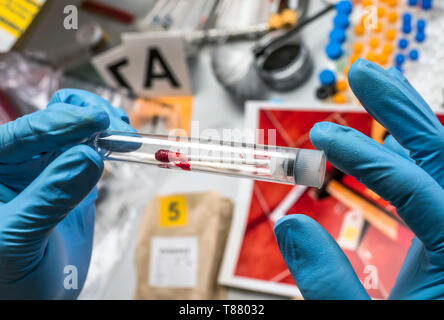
15	18
280	59
400	34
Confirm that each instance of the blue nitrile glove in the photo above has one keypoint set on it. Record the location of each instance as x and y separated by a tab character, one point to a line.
412	184
47	195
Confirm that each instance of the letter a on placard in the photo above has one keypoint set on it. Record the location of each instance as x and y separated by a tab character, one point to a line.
155	59
157	64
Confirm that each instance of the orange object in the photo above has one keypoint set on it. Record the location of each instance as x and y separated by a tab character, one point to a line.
378	132
392	17
275	22
367	3
359	30
374	215
387	48
354	57
339	98
392	3
381	12
358	47
379	27
383	59
289	18
341	85
175	111
374	42
372	56
390	34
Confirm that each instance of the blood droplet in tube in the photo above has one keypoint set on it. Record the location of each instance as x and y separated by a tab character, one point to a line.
167	156
162	155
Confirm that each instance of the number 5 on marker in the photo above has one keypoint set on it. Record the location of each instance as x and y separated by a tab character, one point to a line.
173	211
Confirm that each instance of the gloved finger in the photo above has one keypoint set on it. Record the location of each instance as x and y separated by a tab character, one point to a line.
119	119
394	146
419	199
6	194
17	176
318	266
392	101
49	129
48	199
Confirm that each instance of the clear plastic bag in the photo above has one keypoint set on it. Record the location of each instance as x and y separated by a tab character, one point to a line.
28	83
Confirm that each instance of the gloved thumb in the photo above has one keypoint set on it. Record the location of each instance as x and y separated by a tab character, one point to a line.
318	266
33	214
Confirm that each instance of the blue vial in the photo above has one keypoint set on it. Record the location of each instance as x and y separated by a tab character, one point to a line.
407	17
344	6
334	50
403	43
327	77
420	37
399	59
427	4
414	55
337	35
341	21
406	28
421	24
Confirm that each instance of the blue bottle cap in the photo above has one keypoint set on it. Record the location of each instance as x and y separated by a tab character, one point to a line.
337	35
403	43
334	50
413	3
407	17
421	24
414	55
420	37
327	77
399	59
427	4
406	28
344	6
341	21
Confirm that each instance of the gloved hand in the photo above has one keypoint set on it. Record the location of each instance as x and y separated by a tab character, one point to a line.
408	171
47	194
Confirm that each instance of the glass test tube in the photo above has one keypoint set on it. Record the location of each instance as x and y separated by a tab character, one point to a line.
259	162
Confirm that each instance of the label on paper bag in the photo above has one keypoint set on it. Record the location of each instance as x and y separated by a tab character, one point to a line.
173	211
173	262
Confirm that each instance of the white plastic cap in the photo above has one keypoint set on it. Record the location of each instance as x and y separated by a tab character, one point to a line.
309	168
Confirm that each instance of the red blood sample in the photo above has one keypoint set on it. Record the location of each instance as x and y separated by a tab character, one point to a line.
168	156
162	155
